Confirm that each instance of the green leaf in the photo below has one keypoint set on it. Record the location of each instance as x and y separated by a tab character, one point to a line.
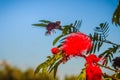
110	59
108	54
99	45
56	67
39	67
116	16
102	30
96	36
82	75
78	25
45	21
40	25
66	30
49	62
118	75
56	39
75	23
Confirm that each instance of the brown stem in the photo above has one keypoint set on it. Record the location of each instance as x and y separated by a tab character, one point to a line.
107	67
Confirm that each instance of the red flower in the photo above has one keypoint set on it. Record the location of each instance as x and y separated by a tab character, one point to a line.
55	50
93	72
92	59
76	44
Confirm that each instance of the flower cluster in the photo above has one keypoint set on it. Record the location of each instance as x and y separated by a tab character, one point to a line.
76	44
92	59
93	72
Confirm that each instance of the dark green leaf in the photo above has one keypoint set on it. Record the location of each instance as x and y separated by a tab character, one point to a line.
56	39
56	67
40	25
78	25
118	75
75	23
116	16
95	47
45	21
108	54
99	45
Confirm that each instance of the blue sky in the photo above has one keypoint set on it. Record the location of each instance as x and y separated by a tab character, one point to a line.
24	45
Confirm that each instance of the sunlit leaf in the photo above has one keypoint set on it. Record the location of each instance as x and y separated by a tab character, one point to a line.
39	67
49	62
65	30
82	75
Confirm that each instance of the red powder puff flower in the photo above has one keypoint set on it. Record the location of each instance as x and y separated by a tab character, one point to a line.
55	50
93	72
92	59
76	44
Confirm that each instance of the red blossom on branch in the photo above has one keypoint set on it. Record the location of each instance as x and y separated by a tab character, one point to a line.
75	44
93	72
92	59
55	50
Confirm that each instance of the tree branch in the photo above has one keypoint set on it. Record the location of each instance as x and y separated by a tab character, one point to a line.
107	67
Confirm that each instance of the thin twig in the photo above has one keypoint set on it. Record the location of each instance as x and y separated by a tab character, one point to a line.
106	41
107	67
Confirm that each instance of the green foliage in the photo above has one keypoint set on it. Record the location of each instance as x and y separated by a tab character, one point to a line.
117	75
116	16
77	25
39	25
56	39
71	28
108	54
51	64
67	29
102	30
97	42
82	75
44	21
72	77
8	72
99	36
42	24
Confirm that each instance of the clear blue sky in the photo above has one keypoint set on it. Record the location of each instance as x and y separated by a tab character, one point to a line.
24	45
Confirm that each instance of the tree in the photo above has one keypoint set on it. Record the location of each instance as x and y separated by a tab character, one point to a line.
77	44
